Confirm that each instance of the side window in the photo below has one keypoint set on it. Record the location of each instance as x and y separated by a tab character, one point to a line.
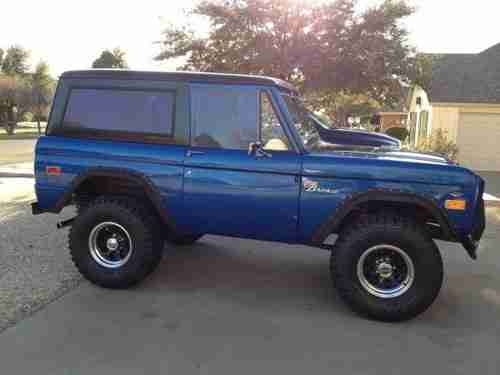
272	135
121	110
223	116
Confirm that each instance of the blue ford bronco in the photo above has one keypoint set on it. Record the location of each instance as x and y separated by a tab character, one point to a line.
152	158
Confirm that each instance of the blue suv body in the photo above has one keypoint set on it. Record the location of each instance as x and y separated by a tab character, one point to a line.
189	154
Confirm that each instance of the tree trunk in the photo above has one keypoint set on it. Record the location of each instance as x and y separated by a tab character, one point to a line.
11	121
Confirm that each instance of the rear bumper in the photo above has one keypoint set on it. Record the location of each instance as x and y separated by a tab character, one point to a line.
35	209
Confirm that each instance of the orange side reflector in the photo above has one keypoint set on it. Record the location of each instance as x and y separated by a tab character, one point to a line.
53	170
455	204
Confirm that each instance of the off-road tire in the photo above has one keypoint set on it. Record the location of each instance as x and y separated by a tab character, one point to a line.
183	240
139	222
390	229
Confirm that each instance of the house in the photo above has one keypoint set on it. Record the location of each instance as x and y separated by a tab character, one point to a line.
392	118
396	115
463	99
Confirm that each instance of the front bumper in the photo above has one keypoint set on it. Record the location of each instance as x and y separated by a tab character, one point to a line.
471	242
471	246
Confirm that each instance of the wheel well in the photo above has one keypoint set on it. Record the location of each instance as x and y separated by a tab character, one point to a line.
94	186
421	214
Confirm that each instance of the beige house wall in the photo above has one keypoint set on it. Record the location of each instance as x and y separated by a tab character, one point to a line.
474	127
446	116
446	119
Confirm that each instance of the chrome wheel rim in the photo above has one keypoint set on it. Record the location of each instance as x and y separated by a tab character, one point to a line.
110	244
385	271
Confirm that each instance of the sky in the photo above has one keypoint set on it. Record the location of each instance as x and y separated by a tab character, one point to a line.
71	34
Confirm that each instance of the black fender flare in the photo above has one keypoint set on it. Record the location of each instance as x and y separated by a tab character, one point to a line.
334	221
140	179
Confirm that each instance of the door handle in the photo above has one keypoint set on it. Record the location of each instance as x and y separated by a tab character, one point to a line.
190	153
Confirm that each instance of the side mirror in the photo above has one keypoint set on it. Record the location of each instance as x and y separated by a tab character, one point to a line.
255	149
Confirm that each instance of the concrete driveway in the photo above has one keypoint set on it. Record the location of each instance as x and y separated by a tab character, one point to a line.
246	307
229	306
492	180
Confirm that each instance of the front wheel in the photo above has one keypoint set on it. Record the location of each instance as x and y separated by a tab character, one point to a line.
386	267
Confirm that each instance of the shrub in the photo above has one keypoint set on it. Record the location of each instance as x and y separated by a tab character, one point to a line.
26	117
439	143
10	127
398	132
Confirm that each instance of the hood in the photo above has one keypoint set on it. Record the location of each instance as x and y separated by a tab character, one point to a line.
381	154
416	157
350	137
327	161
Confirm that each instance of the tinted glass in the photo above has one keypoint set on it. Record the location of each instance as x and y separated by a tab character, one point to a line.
272	135
224	116
121	110
303	120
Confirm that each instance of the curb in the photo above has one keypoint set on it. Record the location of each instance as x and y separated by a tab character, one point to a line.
492	203
491	200
13	175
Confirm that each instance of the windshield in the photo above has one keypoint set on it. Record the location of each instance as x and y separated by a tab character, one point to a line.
304	121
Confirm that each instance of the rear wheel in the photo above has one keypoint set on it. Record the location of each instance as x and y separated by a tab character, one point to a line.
115	242
386	267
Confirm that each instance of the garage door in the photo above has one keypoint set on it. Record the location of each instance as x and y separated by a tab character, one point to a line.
478	141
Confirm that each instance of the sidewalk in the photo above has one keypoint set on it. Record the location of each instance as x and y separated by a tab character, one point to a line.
24	169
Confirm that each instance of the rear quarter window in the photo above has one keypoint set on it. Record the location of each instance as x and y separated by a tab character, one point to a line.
135	111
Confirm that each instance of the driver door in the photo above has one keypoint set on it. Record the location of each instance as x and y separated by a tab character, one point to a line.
229	190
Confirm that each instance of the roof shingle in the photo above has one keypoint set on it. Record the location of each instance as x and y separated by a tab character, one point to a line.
466	78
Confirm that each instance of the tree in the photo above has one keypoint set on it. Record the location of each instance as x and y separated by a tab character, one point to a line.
111	59
365	53
15	99
255	36
1	57
15	61
340	105
325	47
421	66
42	89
